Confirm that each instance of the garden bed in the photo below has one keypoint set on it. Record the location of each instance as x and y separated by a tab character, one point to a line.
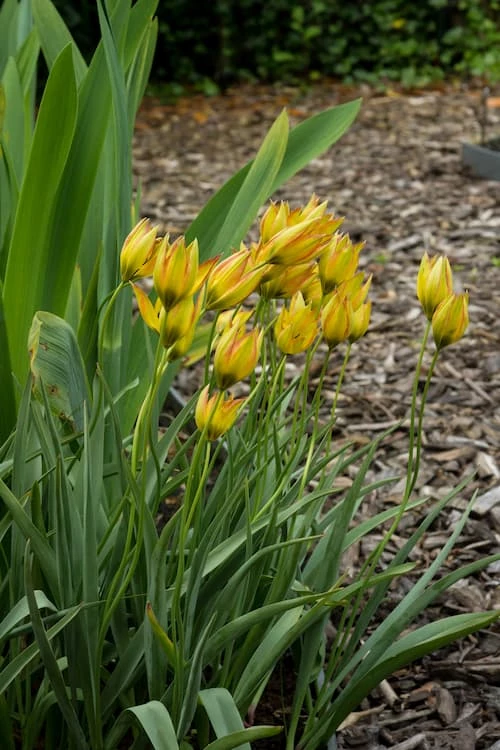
397	176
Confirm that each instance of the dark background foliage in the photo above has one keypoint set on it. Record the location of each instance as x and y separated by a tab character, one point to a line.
221	41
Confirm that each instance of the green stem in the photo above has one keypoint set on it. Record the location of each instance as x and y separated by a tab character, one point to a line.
411	477
340	380
105	319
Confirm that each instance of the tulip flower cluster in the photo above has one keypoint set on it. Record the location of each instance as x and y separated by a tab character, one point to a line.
447	311
300	258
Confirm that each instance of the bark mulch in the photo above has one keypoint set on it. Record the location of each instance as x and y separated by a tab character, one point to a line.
398	177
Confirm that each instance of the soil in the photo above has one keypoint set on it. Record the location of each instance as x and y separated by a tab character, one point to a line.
397	176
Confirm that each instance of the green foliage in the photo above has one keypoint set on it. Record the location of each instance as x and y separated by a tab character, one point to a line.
117	628
414	43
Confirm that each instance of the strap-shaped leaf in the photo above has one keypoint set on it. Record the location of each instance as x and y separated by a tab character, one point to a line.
305	142
30	268
226	721
57	366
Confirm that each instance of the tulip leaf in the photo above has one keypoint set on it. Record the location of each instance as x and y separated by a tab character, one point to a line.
405	650
7	399
305	142
57	366
29	274
255	188
155	721
54	36
227	723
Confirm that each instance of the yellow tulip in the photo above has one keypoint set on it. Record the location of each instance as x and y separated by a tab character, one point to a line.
175	274
296	327
338	261
434	282
216	414
139	251
231	280
179	321
360	320
336	318
236	355
450	319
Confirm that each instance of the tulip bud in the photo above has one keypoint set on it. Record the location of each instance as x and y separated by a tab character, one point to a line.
338	261
434	282
360	321
232	280
298	243
273	220
216	414
296	328
176	271
179	320
236	355
139	251
232	319
312	291
284	281
355	289
450	319
336	319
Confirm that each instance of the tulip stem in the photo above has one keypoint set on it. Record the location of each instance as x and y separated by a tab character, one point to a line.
411	477
104	323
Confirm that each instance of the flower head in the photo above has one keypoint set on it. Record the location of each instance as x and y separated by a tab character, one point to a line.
450	319
176	271
338	261
216	414
139	251
356	289
232	279
296	327
434	282
236	355
284	281
299	242
360	320
336	318
180	320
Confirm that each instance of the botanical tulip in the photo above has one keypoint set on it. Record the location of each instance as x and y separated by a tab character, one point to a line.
232	319
285	281
232	280
273	220
179	320
434	282
176	271
296	327
356	289
336	318
360	320
338	261
236	355
216	414
450	319
139	251
299	243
